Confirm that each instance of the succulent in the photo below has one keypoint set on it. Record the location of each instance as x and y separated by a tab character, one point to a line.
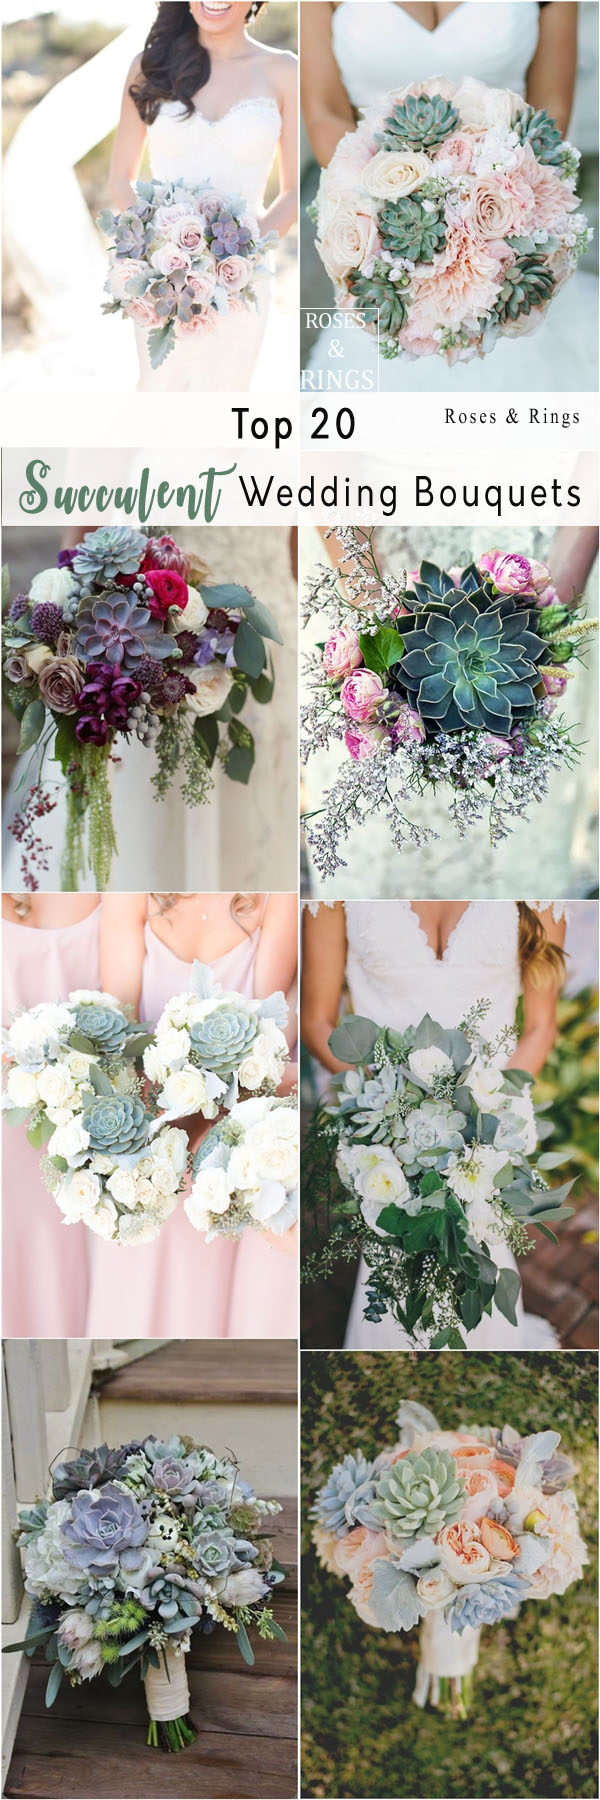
473	662
106	1529
106	1027
347	1498
485	1602
169	1594
223	1038
114	629
227	237
419	123
432	1129
90	1469
111	551
213	1553
539	130
407	229
527	283
117	1125
418	1495
379	292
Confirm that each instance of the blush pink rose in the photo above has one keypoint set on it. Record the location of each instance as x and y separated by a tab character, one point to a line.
233	273
166	218
202	284
456	150
463	1555
350	239
121	272
357	1551
342	653
204	321
170	257
510	573
361	695
498	1540
188	233
363	740
143	313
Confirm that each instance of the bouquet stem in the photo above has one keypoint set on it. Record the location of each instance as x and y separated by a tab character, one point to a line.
446	1667
168	1702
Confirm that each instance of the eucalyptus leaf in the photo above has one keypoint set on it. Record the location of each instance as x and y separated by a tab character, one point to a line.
354	1040
244	1645
506	1293
32	724
53	1682
249	650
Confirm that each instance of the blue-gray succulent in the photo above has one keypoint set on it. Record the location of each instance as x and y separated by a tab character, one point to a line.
348	1495
213	1553
106	1026
105	1530
117	1124
112	550
222	1039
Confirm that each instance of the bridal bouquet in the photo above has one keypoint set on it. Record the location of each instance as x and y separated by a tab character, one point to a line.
126	639
246	1171
109	1160
432	1142
181	258
210	1046
450	216
438	678
452	1528
138	1548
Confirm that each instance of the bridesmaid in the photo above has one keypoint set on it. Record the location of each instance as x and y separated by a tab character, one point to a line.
179	1283
51	947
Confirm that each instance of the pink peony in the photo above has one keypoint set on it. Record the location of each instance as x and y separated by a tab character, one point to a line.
363	740
233	273
342	653
361	695
510	573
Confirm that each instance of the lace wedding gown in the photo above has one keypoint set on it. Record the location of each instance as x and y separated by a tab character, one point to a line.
379	47
395	977
233	153
554	846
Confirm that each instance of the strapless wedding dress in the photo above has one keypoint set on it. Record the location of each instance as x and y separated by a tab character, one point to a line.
395	977
233	153
379	47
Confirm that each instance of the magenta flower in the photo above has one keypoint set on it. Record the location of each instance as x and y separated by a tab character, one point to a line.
361	695
105	702
362	741
342	653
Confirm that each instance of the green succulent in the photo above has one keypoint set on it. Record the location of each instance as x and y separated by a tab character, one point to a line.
113	550
407	229
106	1027
117	1125
473	662
527	283
539	130
419	1495
378	291
419	123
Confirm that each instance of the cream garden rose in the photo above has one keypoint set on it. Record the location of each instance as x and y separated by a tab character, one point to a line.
429	1063
212	686
351	238
390	175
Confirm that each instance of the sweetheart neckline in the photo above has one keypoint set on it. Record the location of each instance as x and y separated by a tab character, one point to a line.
461	7
250	100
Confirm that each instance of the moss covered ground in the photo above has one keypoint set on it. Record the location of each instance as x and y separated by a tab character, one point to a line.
532	1728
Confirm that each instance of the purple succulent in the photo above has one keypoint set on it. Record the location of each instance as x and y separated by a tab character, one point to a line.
227	237
170	1475
106	1530
47	623
115	629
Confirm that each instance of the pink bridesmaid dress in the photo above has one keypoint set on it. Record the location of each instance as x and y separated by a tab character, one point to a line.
179	1286
45	1263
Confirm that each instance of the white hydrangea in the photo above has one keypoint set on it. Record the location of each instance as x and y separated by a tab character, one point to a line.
46	1568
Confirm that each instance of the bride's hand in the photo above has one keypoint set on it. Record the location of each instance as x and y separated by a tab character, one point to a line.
286	1242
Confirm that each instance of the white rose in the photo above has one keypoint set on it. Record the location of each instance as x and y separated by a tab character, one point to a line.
480	106
104	1219
102	1165
269	1200
212	1190
137	1228
350	238
435	1589
393	174
93	997
212	685
242	1169
170	1145
185	1092
486	1083
37	1034
79	1195
79	1064
243	1588
21	1088
56	1087
69	1141
122	1186
197	1214
155	1065
428	1063
274	1146
145	1193
193	616
266	1058
377	1177
164	1180
52	587
178	1012
174	1047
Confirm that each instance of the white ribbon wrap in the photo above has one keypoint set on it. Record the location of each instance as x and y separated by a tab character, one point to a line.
443	1653
168	1697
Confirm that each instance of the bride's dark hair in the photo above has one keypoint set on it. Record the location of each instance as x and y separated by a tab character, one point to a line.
174	64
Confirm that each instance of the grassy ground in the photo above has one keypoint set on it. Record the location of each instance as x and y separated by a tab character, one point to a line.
531	1731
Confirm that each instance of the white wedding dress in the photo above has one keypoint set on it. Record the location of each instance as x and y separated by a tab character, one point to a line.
395	977
233	153
379	47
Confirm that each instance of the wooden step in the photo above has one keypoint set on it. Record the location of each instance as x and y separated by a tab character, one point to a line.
92	1745
192	1370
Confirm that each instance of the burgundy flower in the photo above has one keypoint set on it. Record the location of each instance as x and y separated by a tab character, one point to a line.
107	699
66	558
47	623
188	643
168	589
173	688
164	553
218	620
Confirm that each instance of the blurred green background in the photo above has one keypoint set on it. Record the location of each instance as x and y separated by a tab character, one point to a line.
532	1725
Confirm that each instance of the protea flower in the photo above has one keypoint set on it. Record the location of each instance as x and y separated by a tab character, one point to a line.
471	662
420	1494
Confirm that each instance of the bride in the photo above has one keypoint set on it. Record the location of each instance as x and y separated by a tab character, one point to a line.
398	960
354	53
212	105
